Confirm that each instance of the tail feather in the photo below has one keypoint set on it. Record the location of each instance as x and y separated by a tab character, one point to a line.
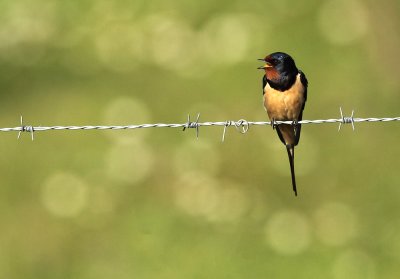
290	151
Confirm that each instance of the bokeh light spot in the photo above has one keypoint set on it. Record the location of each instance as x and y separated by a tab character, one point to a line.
196	194
336	223
354	264
64	194
199	194
119	46
288	232
197	156
129	162
27	22
126	111
233	203
225	39
171	42
25	27
343	21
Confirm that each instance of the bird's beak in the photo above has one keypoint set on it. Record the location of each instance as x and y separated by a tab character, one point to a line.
267	65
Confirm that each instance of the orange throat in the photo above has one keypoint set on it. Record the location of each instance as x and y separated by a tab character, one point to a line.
272	73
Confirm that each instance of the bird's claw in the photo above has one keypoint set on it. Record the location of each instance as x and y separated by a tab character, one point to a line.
295	124
273	123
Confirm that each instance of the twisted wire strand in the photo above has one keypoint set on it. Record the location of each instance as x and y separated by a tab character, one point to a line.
241	125
191	125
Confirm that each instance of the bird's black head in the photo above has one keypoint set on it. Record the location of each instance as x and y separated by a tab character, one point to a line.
280	70
281	62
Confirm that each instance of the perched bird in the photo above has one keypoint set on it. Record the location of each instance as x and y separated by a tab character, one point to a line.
284	94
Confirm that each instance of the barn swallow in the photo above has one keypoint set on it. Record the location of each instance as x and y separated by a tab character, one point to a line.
284	95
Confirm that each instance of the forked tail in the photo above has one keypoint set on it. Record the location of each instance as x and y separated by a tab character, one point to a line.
290	151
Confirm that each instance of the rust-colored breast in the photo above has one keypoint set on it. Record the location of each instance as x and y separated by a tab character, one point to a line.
284	105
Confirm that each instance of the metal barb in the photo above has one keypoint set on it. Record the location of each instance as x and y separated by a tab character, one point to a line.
195	124
346	120
24	128
187	123
241	125
227	124
352	119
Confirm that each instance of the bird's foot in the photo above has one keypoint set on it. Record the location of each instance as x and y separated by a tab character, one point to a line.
273	123
295	124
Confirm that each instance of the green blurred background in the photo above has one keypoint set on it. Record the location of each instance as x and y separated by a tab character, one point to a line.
158	203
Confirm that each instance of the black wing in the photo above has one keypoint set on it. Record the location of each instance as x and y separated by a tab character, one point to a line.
304	81
264	81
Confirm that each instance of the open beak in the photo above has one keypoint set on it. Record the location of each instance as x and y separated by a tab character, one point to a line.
267	65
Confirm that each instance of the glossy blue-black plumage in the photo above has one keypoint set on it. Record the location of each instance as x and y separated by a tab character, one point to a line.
282	76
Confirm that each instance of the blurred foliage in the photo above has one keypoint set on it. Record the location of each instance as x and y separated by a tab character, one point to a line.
160	204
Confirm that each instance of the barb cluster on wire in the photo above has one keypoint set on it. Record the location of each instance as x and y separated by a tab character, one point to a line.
241	125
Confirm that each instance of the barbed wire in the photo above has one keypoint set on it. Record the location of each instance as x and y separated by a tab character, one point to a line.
241	125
